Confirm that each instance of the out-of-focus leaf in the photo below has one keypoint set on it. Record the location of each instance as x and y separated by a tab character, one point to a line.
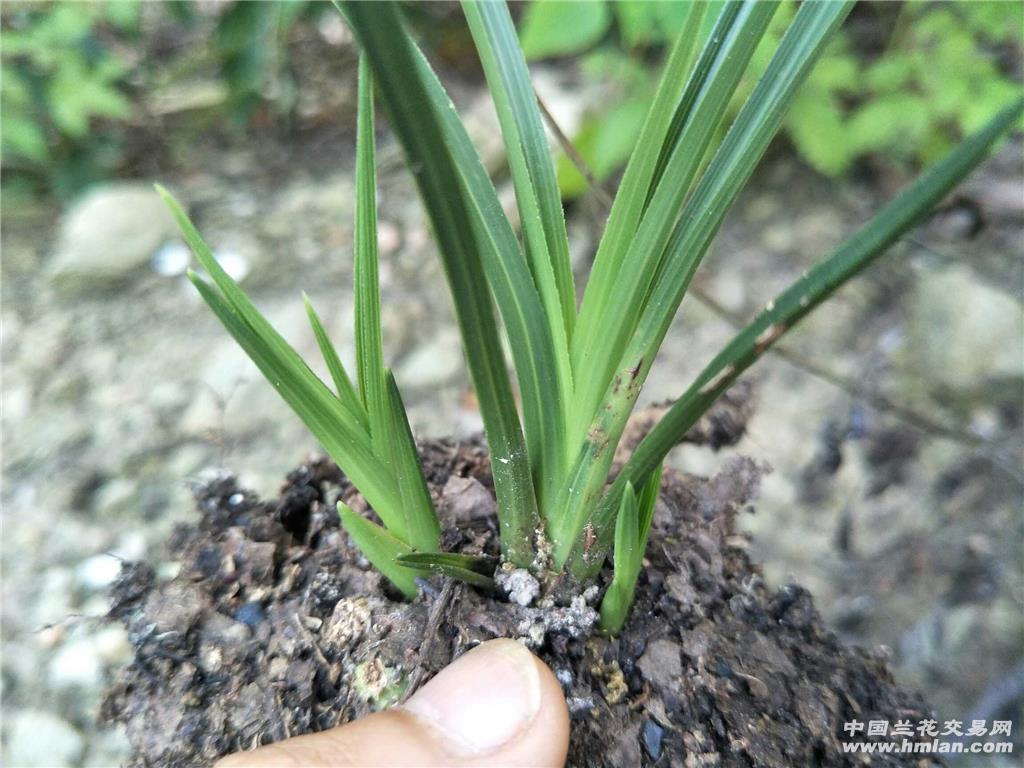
23	138
605	143
555	28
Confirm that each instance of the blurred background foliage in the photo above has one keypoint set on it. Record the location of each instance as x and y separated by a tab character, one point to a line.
905	97
81	81
80	76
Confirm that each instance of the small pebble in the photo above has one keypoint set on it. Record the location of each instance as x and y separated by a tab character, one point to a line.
579	704
171	259
652	734
251	614
98	572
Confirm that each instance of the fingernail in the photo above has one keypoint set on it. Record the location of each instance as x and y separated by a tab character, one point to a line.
482	700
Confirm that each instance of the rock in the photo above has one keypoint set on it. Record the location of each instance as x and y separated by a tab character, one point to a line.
466	500
963	329
661	663
108	235
98	572
171	259
174	608
652	734
348	623
626	751
37	738
76	664
112	645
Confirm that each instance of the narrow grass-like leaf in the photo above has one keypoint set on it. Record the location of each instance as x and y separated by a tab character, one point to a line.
746	141
645	503
533	173
381	549
393	57
723	21
598	347
337	428
626	560
802	297
638	178
632	526
539	351
421	525
369	346
472	570
342	383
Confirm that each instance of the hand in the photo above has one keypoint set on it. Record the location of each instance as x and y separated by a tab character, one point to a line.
497	705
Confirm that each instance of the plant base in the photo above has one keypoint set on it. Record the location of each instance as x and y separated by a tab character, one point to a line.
275	627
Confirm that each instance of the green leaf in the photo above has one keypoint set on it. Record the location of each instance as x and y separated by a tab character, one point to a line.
337	428
554	28
646	502
637	21
816	126
417	126
542	368
608	321
633	261
533	173
468	568
628	205
381	549
627	560
421	525
896	122
802	297
632	526
342	382
24	137
369	346
734	162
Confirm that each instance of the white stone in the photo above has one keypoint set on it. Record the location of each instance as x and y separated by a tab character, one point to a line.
171	259
76	664
112	645
98	572
106	235
39	739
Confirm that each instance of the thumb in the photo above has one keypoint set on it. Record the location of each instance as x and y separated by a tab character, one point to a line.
497	705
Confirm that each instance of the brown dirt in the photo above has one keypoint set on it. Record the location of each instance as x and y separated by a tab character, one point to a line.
275	626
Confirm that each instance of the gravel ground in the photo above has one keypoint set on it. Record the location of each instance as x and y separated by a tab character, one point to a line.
120	387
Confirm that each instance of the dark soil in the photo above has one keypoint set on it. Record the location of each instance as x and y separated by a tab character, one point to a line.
276	626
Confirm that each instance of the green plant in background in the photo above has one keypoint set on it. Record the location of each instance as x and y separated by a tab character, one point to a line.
58	77
65	101
579	370
938	78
